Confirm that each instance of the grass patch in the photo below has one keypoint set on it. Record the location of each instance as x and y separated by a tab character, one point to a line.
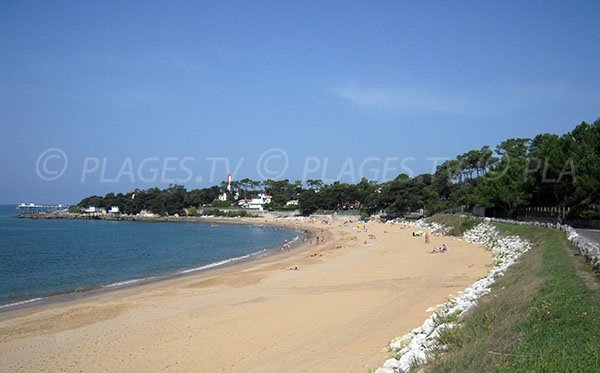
458	224
450	337
541	316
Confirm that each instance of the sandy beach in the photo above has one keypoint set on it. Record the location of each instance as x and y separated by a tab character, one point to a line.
336	313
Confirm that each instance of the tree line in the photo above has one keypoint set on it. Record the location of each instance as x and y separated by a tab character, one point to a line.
546	170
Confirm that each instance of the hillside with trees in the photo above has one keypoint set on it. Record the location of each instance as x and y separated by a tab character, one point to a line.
549	170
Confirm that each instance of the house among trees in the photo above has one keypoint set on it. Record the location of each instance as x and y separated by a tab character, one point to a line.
94	210
551	176
256	203
293	202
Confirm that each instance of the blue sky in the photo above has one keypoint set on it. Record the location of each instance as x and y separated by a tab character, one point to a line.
141	94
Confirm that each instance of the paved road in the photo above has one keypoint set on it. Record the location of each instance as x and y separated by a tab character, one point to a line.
592	234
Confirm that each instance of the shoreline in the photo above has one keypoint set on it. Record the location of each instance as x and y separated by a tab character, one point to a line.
337	312
90	290
139	218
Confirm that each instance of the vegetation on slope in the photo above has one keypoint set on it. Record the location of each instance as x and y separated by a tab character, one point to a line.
548	170
543	315
458	224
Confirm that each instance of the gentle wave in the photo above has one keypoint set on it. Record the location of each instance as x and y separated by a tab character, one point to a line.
222	262
230	260
127	282
23	302
139	280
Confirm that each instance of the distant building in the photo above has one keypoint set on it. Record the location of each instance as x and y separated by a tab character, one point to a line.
147	214
95	210
293	202
256	203
114	210
354	205
479	211
223	196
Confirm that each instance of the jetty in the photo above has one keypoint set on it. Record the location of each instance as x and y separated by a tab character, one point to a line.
34	208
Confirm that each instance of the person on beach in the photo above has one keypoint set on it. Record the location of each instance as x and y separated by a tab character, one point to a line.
426	237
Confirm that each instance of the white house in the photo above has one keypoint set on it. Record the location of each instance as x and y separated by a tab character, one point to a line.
94	210
114	210
223	196
147	214
293	202
257	203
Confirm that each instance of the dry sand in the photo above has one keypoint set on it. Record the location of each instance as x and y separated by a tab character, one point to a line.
336	313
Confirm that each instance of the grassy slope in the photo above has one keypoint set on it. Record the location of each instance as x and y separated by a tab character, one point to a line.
458	224
544	315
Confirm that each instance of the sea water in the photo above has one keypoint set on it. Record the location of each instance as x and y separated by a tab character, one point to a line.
41	258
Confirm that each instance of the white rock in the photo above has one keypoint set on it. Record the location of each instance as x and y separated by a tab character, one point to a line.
391	363
414	346
385	370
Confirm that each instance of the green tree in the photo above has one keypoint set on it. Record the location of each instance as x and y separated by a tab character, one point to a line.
309	202
508	183
549	154
94	201
315	184
584	141
281	190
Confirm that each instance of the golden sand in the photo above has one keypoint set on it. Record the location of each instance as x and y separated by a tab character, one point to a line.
336	313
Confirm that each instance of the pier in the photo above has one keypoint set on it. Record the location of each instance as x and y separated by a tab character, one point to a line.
34	208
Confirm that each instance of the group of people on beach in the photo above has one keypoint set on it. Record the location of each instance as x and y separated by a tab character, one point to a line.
441	249
371	237
320	239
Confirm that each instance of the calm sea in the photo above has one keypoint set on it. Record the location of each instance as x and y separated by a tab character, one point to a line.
40	258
